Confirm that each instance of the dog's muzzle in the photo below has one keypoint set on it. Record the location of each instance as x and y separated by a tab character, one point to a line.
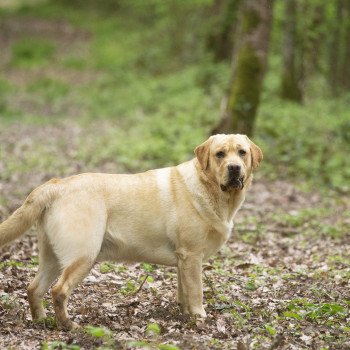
235	180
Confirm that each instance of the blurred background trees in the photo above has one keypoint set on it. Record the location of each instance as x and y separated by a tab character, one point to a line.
158	76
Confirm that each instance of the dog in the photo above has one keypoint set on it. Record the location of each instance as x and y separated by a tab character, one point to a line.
175	216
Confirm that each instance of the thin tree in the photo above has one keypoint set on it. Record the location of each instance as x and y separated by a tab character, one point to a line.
345	68
334	50
221	37
248	69
290	81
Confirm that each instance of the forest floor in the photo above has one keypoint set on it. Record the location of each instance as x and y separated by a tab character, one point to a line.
281	282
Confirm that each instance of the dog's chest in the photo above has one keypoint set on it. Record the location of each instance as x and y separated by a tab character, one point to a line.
215	240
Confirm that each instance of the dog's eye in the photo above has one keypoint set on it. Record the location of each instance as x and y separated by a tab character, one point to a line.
242	152
220	154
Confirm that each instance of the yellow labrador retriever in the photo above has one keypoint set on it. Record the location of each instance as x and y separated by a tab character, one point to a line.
175	216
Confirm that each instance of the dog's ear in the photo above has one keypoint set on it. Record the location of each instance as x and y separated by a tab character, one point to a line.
256	152
202	153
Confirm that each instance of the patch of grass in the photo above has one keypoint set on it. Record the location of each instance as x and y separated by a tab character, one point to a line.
306	142
330	313
168	347
153	329
49	89
251	285
102	334
315	221
271	330
9	263
48	322
241	313
129	287
8	301
299	218
58	345
30	52
98	332
148	267
107	267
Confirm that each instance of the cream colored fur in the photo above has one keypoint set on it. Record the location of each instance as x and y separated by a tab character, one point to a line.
175	216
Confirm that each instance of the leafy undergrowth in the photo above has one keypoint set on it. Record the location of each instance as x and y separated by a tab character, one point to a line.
282	281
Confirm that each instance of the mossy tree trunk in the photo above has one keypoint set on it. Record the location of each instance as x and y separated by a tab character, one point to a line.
290	80
248	69
334	50
345	69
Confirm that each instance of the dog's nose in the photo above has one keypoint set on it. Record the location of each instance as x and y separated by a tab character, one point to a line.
234	168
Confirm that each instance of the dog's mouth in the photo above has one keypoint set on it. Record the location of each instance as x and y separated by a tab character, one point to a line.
233	183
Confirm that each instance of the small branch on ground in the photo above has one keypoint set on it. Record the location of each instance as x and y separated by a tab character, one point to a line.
141	285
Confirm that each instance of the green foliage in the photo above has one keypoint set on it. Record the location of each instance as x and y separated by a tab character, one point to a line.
270	330
59	345
106	267
301	309
138	344
129	287
168	347
307	142
49	89
103	335
251	285
48	322
148	267
30	52
8	301
98	332
153	329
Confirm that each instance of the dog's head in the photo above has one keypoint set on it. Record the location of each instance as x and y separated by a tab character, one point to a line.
228	159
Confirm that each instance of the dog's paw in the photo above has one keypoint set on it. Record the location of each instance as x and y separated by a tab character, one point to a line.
198	311
68	325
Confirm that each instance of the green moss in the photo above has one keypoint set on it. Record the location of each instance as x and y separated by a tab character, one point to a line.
245	94
250	20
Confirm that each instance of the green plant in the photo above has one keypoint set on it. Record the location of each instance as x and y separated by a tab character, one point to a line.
153	329
8	301
107	267
129	287
101	333
58	345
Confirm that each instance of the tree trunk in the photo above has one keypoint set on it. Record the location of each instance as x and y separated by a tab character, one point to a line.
221	37
248	69
315	40
335	50
290	84
345	69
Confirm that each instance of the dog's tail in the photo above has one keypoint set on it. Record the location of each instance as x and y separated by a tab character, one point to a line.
25	216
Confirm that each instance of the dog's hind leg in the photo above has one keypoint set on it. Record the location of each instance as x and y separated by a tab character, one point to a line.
76	231
70	277
47	273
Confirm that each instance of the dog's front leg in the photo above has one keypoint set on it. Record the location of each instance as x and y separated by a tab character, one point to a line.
190	282
180	296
